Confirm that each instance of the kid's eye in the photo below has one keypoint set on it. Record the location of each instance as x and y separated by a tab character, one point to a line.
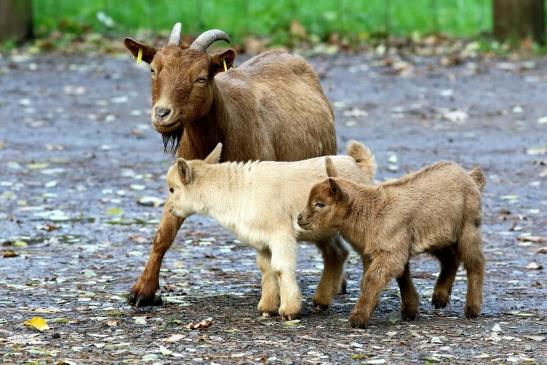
152	71
201	80
319	205
171	190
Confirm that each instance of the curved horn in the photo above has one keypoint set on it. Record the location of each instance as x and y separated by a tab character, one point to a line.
174	38
207	38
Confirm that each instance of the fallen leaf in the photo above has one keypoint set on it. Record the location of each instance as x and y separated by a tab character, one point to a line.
535	239
9	253
534	266
206	323
542	250
114	211
37	323
140	320
150	201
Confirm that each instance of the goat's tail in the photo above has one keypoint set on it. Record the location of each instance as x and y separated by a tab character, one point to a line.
478	177
363	157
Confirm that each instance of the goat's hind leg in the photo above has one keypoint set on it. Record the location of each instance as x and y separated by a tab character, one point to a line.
448	258
332	279
470	252
269	298
410	300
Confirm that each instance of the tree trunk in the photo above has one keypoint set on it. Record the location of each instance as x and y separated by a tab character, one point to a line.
517	20
15	19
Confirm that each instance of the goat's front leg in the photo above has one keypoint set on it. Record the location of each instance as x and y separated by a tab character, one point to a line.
144	290
269	299
332	279
284	251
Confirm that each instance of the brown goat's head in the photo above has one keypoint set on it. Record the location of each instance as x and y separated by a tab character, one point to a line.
182	78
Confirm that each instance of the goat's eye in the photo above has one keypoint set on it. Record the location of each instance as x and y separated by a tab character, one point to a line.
319	205
153	72
201	80
171	190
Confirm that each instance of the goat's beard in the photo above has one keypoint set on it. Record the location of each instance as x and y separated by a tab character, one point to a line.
171	140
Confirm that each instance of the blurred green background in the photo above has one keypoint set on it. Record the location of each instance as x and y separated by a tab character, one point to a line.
361	19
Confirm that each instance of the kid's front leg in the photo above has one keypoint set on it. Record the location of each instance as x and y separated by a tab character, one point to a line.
382	269
284	251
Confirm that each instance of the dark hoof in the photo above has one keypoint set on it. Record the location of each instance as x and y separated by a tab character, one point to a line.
408	315
320	307
344	287
472	311
357	321
438	302
138	300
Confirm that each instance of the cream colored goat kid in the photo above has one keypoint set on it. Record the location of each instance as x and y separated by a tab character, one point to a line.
259	202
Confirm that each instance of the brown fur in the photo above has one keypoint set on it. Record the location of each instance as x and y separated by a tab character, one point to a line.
271	107
435	210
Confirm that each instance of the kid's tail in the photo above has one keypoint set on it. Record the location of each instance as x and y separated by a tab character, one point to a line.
478	177
363	157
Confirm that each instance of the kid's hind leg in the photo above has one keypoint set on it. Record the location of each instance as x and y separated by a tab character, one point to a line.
410	301
269	299
284	250
470	252
450	262
332	279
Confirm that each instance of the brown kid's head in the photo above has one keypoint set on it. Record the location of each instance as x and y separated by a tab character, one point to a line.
326	207
182	78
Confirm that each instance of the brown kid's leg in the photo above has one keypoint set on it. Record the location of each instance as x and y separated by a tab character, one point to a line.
382	269
410	301
471	255
332	279
144	290
450	262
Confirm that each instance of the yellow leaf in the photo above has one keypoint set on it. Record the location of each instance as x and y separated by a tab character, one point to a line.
114	211
37	323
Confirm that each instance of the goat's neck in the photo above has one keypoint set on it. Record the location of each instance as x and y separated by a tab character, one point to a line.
203	134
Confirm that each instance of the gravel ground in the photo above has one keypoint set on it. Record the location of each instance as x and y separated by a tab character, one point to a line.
77	154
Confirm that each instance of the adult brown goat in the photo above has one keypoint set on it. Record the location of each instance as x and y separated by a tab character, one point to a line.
271	107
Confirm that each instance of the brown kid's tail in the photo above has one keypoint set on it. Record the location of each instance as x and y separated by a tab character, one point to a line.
363	157
478	177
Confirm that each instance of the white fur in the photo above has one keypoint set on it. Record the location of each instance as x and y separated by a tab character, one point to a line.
259	202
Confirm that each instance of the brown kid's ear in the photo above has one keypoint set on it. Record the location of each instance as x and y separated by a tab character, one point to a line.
185	172
331	170
133	46
214	156
337	192
217	61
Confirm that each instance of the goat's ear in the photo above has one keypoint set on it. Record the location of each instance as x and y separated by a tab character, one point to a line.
337	192
185	171
133	46
331	170
218	59
214	156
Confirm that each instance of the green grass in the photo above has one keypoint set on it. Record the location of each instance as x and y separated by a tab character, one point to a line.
359	18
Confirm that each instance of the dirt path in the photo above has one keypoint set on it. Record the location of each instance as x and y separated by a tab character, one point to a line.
77	152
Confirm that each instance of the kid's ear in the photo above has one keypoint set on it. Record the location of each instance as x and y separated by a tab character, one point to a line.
337	192
331	170
218	60
185	171
133	46
214	156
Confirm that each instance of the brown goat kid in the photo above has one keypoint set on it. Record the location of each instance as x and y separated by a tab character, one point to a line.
271	107
435	210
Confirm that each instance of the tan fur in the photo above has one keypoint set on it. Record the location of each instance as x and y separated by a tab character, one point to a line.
259	202
435	210
271	107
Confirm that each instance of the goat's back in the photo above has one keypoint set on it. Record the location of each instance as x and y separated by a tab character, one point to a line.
276	100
